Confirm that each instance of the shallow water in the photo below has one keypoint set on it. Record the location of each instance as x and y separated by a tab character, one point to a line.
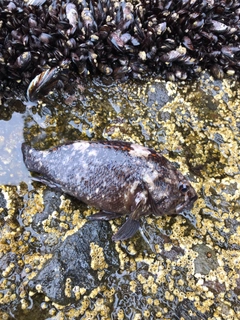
12	170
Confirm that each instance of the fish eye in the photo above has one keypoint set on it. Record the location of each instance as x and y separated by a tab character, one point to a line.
183	187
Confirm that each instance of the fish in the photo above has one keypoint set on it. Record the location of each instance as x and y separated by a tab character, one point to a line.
118	178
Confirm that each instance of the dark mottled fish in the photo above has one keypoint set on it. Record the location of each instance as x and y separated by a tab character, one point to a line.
119	178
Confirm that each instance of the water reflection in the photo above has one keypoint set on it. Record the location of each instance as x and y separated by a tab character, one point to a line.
12	170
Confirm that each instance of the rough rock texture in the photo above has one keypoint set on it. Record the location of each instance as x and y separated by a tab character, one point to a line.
69	271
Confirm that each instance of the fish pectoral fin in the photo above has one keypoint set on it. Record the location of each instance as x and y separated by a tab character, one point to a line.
139	205
104	215
127	230
131	226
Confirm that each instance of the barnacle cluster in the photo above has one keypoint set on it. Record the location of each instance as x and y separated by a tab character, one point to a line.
177	39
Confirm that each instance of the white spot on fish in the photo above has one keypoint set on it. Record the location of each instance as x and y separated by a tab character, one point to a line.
151	165
92	153
140	197
80	145
97	190
84	165
149	179
134	186
139	151
167	180
45	153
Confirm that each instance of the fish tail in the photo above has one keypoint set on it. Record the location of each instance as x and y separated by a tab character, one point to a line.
28	156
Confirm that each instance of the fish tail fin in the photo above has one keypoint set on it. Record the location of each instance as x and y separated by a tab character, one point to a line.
25	151
28	156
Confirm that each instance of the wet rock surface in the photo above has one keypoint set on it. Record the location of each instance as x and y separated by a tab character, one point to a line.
206	259
175	266
68	274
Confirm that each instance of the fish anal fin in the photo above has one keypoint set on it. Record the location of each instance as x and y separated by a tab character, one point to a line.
127	230
104	215
49	183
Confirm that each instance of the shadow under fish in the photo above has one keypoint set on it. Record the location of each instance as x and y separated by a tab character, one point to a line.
119	178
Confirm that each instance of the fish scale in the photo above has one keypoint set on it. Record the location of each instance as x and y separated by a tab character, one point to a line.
119	178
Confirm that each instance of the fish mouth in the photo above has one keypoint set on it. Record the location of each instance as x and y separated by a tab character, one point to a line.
187	204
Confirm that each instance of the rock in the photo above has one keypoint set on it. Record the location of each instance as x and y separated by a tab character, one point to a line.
72	267
206	259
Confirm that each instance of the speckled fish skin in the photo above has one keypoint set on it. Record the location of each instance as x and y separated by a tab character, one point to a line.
119	178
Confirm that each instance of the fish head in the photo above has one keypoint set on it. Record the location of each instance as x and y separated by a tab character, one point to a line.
170	193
